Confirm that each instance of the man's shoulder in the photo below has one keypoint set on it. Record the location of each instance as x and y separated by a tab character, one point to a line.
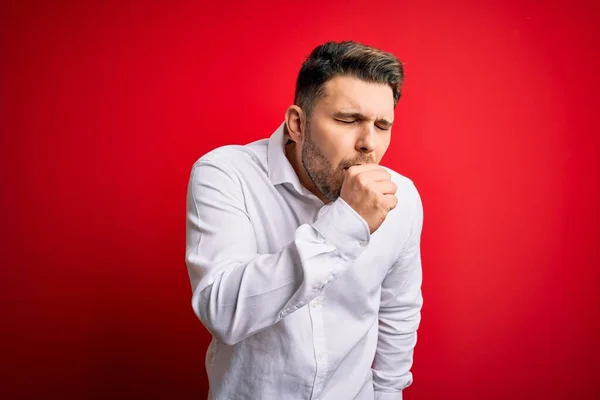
406	186
410	209
237	158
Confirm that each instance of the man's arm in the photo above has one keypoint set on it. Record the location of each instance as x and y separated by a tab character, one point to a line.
238	292
400	314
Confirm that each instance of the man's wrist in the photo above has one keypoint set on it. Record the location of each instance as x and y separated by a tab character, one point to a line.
343	227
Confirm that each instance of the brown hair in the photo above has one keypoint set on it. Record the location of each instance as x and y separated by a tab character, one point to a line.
348	58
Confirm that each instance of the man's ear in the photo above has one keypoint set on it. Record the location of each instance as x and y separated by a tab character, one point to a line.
295	123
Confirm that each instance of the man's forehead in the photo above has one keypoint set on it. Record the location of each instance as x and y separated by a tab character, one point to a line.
350	97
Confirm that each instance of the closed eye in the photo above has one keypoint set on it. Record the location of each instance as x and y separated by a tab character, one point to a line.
385	127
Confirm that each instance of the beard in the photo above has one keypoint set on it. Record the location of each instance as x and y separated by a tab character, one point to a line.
327	178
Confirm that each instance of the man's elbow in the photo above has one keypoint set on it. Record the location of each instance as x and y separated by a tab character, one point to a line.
219	325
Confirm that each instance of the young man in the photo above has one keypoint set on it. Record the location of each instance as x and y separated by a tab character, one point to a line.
303	252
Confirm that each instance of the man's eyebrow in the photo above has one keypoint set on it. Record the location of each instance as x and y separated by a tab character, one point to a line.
359	116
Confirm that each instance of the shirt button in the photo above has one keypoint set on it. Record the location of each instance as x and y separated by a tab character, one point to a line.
315	304
363	243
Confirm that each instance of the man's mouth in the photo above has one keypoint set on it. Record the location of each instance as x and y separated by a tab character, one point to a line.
352	165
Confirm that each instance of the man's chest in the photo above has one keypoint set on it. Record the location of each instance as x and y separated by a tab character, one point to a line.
277	215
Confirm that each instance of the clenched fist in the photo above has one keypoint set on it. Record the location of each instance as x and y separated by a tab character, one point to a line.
369	190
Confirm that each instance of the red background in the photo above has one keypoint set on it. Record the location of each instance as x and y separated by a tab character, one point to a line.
106	105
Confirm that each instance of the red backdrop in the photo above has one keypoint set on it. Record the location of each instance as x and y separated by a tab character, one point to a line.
106	105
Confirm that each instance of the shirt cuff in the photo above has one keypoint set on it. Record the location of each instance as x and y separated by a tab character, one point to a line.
344	228
388	395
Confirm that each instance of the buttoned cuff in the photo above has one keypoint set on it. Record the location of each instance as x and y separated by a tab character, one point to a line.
344	228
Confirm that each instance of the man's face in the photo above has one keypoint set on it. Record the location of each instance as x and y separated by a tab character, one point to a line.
350	125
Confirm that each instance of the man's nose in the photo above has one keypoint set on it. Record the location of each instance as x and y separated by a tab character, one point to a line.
367	141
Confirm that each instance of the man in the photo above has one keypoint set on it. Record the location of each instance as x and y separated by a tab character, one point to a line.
303	252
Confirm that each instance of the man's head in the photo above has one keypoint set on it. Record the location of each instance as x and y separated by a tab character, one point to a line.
343	111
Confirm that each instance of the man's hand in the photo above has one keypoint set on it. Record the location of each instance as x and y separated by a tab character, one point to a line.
368	189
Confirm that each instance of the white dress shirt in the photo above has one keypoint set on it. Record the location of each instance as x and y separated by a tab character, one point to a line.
302	301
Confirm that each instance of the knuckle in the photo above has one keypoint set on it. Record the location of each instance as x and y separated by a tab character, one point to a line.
360	179
383	213
390	203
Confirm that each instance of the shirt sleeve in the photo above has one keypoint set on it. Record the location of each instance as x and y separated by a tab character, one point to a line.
238	292
400	314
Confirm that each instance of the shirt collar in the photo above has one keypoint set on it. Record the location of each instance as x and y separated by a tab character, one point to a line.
279	167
